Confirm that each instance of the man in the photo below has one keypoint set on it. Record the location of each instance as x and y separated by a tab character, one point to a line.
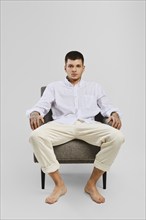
74	104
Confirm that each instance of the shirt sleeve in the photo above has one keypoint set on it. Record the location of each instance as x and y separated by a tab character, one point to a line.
44	104
105	104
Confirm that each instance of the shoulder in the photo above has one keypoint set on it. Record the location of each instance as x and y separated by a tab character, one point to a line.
92	84
54	84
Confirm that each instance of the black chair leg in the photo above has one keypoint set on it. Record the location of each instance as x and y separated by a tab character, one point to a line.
104	179
104	176
42	179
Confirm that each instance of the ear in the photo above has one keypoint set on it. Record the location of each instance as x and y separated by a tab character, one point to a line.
65	67
83	68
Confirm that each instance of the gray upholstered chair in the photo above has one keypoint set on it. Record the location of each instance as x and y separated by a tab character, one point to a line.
75	151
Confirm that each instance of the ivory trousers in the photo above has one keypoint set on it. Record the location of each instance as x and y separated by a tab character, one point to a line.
52	133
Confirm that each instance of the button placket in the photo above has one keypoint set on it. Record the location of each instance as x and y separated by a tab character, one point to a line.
76	98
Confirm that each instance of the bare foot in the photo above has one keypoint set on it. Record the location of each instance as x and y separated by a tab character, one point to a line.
57	192
94	194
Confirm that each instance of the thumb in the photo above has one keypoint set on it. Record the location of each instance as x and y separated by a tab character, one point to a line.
109	119
42	119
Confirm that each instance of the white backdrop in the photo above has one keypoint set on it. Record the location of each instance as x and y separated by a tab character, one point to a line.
35	37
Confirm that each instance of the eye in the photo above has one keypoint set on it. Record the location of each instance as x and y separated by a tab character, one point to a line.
70	66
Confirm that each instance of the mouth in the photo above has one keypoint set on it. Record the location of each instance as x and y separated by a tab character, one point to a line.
74	75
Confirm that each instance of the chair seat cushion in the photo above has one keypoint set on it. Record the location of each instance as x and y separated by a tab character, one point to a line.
76	151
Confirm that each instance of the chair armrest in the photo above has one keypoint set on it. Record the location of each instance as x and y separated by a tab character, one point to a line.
48	116
100	118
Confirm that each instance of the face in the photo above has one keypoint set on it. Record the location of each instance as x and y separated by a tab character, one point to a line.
74	70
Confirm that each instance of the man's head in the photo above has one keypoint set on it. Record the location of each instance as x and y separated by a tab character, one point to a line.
74	55
74	66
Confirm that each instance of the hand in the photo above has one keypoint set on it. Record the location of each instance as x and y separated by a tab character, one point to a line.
35	120
114	121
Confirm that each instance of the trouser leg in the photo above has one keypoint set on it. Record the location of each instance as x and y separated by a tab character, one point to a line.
44	138
104	136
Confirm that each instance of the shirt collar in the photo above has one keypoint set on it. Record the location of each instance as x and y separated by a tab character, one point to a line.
80	83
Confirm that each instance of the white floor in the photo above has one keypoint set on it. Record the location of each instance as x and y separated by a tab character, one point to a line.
22	197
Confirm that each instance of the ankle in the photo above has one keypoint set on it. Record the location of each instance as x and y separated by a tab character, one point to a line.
59	184
91	183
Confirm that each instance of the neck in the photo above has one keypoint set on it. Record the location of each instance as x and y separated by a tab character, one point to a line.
73	81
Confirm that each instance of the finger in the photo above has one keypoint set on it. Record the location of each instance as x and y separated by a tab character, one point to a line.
109	120
117	124
35	123
31	124
114	123
38	122
42	119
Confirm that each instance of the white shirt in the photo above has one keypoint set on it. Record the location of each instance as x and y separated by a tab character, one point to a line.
70	103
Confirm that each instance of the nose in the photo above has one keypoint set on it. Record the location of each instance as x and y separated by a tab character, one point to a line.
74	69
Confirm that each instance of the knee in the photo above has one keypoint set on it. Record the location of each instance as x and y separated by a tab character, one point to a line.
119	137
34	136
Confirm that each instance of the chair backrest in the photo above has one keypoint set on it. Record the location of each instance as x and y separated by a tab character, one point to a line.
48	117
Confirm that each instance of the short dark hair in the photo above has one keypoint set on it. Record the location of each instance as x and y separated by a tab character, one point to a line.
74	55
